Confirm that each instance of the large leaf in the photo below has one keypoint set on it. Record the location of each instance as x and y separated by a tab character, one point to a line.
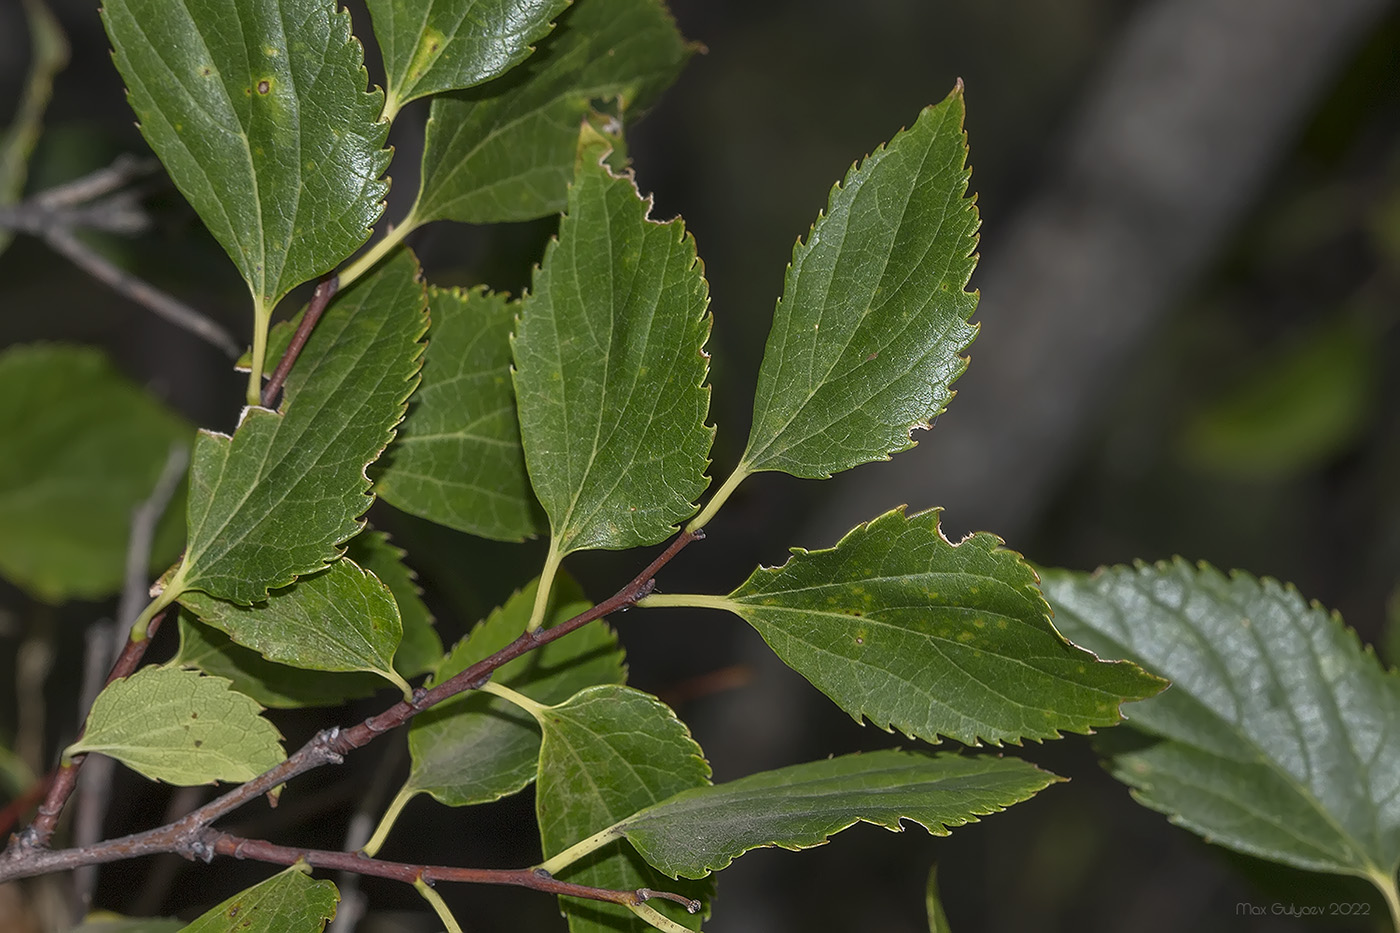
1280	735
180	727
899	625
259	111
476	748
441	45
48	53
703	829
867	335
277	499
505	150
279	686
458	460
420	649
83	446
610	368
609	752
289	902
341	619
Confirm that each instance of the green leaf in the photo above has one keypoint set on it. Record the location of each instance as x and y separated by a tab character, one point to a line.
341	619
48	54
899	625
289	902
276	500
610	368
431	46
458	460
609	752
475	748
274	685
506	150
1280	736
83	447
420	649
259	111
933	904
867	335
704	829
180	727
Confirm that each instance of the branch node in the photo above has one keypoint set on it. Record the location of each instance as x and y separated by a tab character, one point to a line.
697	535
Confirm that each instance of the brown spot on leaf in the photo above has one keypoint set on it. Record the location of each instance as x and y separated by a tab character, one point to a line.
264	86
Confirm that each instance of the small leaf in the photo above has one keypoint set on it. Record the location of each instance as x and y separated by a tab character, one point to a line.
83	447
897	624
506	150
1280	736
277	499
867	336
278	686
933	905
475	748
703	829
431	46
289	902
609	752
341	619
610	368
458	460
420	649
259	111
180	727
48	54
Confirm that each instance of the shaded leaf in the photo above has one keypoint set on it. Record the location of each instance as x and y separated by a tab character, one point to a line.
458	460
506	150
259	111
441	45
48	54
704	829
610	368
274	685
83	447
475	748
933	905
867	335
1280	735
289	902
609	752
341	619
277	499
180	727
102	921
899	625
420	649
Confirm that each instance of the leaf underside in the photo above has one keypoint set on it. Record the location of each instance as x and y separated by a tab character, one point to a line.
288	902
1280	736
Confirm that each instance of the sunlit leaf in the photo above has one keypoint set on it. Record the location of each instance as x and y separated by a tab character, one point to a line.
259	111
610	368
290	902
505	150
82	447
458	460
278	498
180	727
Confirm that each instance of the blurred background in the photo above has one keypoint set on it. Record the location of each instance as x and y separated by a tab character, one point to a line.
1190	345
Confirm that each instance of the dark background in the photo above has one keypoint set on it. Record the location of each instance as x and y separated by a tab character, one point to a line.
1191	251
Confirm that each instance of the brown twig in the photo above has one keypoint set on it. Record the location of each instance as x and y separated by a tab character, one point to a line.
325	291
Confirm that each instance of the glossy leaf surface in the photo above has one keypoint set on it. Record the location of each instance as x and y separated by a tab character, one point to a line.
867	335
289	902
476	747
431	46
899	625
278	498
505	150
259	110
1280	735
702	830
610	368
181	727
458	459
609	752
82	447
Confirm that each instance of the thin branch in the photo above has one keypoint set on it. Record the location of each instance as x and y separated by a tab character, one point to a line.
124	169
173	310
144	519
325	291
